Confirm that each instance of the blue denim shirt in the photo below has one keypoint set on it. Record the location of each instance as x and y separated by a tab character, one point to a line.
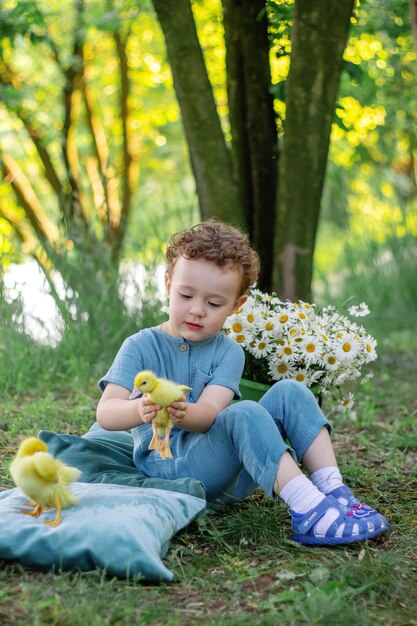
217	360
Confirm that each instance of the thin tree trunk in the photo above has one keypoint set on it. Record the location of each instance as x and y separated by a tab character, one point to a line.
118	230
320	30
252	121
210	157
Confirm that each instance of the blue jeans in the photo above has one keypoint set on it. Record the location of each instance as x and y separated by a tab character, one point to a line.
243	447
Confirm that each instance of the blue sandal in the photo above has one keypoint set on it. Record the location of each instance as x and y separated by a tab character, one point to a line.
359	524
349	500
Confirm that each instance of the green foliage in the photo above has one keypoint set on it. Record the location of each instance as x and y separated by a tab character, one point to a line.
74	134
373	149
239	562
20	355
384	275
93	326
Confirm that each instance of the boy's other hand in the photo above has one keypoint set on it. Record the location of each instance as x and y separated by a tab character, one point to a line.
177	411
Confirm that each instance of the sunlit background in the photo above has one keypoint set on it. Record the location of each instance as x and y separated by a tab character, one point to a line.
366	240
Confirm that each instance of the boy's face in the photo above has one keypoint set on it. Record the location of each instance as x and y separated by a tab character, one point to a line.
201	296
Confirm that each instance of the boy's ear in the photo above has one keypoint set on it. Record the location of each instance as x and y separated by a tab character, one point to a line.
239	302
167	283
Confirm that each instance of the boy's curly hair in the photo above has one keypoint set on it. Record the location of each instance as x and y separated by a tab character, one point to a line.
219	243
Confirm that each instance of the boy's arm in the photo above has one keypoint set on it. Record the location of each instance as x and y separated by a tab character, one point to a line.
200	416
116	412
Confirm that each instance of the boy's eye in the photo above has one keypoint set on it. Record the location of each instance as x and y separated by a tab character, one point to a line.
215	304
185	295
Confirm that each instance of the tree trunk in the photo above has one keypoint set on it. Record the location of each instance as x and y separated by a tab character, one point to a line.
320	30
252	122
210	157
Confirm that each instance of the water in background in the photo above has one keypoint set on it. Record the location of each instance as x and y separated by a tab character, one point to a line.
43	321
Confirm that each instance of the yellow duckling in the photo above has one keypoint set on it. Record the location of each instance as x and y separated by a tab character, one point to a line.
163	392
43	479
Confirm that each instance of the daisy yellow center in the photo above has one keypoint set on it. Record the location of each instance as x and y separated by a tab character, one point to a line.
282	368
331	360
368	347
261	345
240	338
250	318
347	347
269	326
283	318
302	316
287	350
237	327
310	347
300	378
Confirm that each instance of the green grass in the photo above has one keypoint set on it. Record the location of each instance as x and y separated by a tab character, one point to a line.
239	566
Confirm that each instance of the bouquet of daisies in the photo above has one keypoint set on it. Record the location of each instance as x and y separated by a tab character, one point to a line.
320	348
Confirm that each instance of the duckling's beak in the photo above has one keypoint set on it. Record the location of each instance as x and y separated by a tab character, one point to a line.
136	393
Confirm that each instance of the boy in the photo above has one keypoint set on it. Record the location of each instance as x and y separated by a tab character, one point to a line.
230	448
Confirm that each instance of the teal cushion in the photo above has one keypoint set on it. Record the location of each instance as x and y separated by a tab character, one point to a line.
105	456
121	529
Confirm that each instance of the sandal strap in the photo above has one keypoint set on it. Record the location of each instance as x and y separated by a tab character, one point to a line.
304	522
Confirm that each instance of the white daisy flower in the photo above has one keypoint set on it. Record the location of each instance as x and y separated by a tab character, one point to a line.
347	348
370	344
301	376
346	404
280	370
330	362
361	310
329	309
288	351
268	325
310	348
260	349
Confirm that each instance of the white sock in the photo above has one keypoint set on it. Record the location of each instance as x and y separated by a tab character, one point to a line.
326	479
301	496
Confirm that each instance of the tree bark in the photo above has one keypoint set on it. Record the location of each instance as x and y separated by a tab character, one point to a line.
252	122
320	30
210	158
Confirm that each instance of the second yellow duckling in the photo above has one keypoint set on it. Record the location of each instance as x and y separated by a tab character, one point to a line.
43	479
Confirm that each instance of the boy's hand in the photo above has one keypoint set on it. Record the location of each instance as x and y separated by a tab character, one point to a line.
177	411
148	410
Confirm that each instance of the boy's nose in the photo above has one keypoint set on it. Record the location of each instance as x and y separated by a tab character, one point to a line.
197	309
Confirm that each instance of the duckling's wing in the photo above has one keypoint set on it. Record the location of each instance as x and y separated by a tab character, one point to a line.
67	473
45	466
